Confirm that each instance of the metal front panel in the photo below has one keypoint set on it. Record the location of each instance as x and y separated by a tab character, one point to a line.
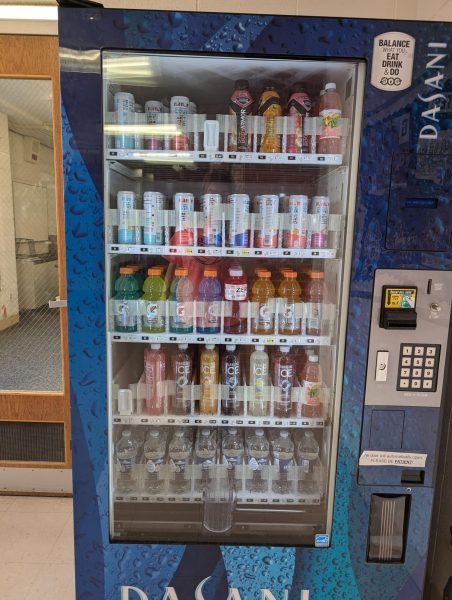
433	317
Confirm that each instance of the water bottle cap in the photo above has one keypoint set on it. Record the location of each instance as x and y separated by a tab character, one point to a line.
232	430
264	274
259	432
259	348
284	349
330	86
284	434
313	358
155	271
308	434
316	275
125	271
210	272
183	346
155	346
205	432
181	272
154	433
210	346
230	347
126	433
236	271
179	433
290	274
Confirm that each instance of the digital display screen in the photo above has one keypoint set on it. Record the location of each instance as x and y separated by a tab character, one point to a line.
421	202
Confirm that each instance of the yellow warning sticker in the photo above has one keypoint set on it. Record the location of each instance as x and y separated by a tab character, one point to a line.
400	298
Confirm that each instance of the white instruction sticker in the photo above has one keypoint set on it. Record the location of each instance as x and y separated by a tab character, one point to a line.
392	61
380	458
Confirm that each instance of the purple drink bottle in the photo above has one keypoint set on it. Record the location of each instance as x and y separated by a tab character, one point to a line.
208	305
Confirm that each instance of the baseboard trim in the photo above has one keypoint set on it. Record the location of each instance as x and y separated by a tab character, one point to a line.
35	481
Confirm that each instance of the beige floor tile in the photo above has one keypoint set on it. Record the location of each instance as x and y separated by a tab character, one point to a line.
63	550
29	538
384	9
5	502
38	505
16	580
53	582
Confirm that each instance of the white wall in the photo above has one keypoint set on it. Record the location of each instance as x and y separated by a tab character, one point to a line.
9	305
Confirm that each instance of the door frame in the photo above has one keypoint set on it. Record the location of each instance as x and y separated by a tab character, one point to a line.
37	57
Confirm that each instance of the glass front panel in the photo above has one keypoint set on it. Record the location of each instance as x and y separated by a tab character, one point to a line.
227	206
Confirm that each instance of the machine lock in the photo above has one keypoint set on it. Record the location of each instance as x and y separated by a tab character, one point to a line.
398	307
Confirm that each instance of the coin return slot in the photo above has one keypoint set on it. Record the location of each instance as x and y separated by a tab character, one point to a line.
412	477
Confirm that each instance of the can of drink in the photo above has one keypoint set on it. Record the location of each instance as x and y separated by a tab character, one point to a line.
139	122
138	107
180	107
184	206
124	104
153	204
266	232
126	223
319	235
238	229
211	207
296	235
154	110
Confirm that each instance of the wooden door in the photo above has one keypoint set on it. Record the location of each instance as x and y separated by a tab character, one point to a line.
35	417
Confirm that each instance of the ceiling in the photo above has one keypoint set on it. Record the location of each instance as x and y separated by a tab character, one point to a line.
28	104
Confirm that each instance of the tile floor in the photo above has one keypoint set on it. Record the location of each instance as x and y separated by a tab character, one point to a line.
36	548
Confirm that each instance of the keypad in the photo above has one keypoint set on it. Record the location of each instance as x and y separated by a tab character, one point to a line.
418	367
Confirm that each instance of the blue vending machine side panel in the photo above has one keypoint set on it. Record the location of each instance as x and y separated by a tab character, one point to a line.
392	121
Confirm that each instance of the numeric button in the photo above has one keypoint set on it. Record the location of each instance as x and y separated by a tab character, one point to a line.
419	351
406	361
407	350
405	383
417	362
428	373
404	372
431	351
427	384
429	362
416	383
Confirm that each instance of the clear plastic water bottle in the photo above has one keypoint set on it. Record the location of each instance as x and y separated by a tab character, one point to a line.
179	453
154	459
126	456
308	460
283	451
258	459
205	452
232	451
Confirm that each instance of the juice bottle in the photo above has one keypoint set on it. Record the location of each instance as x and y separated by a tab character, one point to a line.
315	296
298	107
236	297
154	296
127	291
283	378
208	304
209	380
270	108
258	403
181	299
311	380
154	369
262	293
240	105
330	111
290	315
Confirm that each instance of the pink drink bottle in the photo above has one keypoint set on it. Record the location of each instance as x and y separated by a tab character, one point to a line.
154	367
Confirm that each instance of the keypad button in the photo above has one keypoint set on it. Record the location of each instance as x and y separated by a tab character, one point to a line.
428	373
417	362
431	351
406	361
419	350
415	383
404	372
427	384
404	383
417	372
407	350
429	362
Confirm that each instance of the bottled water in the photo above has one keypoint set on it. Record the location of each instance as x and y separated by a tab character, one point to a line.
154	459
205	452
179	452
126	456
283	451
258	459
308	461
232	451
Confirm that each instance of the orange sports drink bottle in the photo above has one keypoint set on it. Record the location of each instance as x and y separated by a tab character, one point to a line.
263	292
270	108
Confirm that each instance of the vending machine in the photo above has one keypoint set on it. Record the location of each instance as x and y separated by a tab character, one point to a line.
258	230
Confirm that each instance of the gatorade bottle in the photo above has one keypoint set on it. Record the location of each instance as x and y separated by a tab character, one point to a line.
127	291
209	380
315	296
290	310
181	303
311	381
263	292
138	273
330	111
208	304
155	294
270	108
236	297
